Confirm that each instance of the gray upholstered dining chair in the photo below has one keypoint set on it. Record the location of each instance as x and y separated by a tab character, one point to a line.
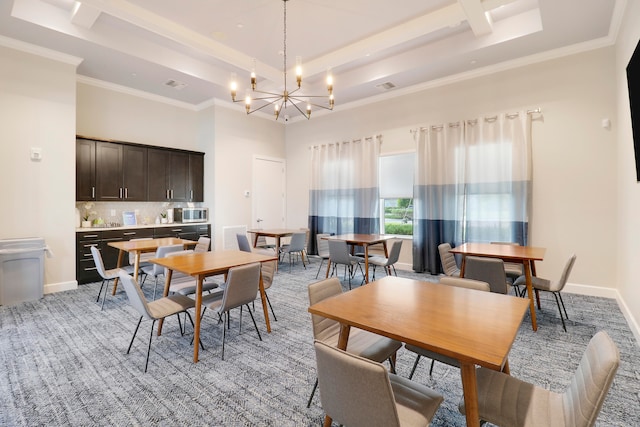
323	249
144	257
490	270
203	245
449	265
513	270
339	255
507	401
421	352
387	263
356	391
362	343
154	310
240	289
156	270
243	243
555	287
107	275
295	246
184	284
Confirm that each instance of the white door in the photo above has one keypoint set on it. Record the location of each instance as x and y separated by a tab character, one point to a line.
268	193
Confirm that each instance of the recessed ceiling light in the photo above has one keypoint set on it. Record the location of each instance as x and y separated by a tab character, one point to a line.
240	25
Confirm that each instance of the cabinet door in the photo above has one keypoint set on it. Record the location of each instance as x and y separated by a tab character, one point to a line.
179	177
85	169
134	173
196	177
158	173
108	171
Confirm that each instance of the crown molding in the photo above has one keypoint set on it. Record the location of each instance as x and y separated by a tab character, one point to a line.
40	51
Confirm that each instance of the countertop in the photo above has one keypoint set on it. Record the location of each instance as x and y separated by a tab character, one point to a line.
129	227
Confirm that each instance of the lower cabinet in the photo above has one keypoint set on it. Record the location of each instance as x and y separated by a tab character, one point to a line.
86	271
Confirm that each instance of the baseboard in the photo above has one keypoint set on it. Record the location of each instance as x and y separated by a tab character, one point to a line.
597	291
51	288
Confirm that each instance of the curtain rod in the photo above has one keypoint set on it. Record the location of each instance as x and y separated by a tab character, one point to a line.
366	138
488	118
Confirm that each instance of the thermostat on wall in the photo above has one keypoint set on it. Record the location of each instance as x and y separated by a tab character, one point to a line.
36	153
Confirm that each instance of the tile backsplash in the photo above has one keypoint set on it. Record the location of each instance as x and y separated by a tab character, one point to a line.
111	212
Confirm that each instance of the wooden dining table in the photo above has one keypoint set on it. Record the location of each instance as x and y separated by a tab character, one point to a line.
276	233
203	264
525	255
364	240
141	246
475	328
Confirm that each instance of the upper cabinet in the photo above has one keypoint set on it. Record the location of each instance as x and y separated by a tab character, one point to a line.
111	171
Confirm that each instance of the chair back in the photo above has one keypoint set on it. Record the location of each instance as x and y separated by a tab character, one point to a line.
490	270
324	328
135	295
241	286
323	245
268	270
466	283
97	259
339	252
559	285
394	253
449	265
243	242
162	252
203	244
589	387
132	257
354	391
298	241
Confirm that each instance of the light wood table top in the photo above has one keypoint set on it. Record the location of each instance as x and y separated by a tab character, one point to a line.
526	255
203	264
476	328
364	240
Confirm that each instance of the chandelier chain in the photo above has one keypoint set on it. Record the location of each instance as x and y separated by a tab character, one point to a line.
285	45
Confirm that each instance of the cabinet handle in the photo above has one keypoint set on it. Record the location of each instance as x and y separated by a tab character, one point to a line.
168	194
172	194
191	195
86	236
131	233
93	192
120	192
126	193
177	230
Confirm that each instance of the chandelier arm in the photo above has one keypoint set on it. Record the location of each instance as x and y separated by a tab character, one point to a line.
310	103
299	110
263	106
268	93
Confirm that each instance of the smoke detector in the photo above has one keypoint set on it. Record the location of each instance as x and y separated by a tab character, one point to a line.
175	84
385	86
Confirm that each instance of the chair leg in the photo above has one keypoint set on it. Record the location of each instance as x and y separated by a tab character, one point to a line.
149	348
394	270
415	365
193	326
269	302
433	362
320	267
224	330
254	322
106	288
313	392
134	334
564	326
102	285
566	316
154	289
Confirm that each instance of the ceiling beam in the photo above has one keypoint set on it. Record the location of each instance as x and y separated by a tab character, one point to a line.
84	15
479	20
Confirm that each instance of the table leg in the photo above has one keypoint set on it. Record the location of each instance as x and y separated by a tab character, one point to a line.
136	265
343	338
198	313
167	283
277	251
255	240
532	309
115	281
263	297
470	391
326	276
463	264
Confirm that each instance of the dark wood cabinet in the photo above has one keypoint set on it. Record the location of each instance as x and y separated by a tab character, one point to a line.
196	178
116	171
85	169
168	175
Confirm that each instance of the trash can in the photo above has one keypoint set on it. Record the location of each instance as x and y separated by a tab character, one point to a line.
21	270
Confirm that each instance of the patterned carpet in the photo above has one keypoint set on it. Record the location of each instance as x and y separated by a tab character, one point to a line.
64	363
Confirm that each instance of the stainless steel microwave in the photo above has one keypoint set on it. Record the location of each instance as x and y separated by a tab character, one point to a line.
190	215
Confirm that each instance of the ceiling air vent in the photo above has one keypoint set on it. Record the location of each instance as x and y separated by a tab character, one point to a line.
386	86
175	84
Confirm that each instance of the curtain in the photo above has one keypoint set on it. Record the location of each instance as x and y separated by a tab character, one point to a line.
473	184
344	194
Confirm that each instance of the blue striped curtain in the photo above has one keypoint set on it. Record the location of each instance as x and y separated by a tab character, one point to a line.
473	184
344	193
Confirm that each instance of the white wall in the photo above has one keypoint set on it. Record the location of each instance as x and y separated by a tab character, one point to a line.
574	195
37	107
238	138
628	190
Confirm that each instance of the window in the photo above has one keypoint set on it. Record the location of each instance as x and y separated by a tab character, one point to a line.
396	193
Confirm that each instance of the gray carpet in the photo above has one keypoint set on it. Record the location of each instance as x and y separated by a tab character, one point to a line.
64	363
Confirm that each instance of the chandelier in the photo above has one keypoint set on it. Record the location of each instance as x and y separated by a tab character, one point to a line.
280	101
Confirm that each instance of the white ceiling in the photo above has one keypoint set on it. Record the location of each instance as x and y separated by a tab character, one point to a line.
141	44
